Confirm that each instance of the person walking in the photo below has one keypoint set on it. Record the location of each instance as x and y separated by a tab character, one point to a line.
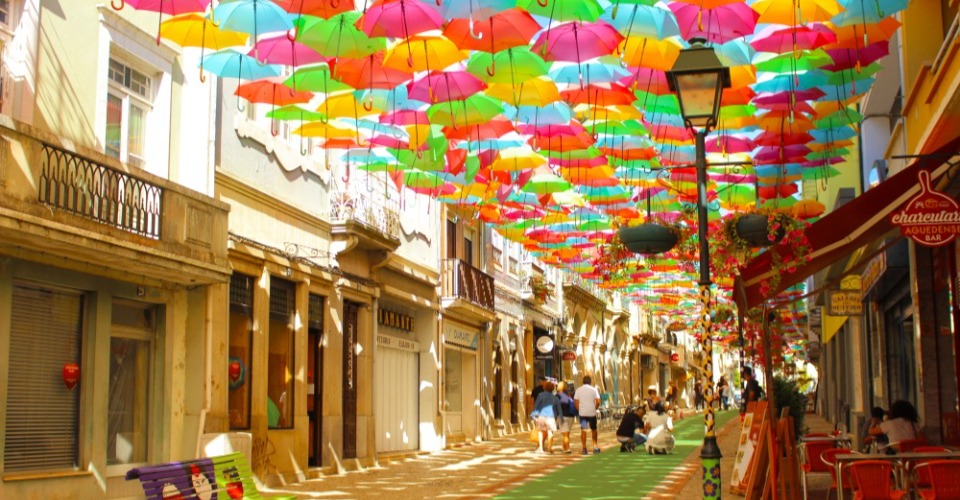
587	400
718	396
568	410
627	434
698	395
546	411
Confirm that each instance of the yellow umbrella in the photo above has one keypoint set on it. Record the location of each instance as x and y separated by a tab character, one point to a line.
423	53
325	130
346	106
195	30
514	159
621	112
649	52
534	92
796	12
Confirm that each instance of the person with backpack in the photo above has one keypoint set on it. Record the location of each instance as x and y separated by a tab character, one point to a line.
569	414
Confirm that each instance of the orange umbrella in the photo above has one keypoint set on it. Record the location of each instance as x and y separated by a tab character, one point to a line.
271	90
611	94
859	35
510	28
195	30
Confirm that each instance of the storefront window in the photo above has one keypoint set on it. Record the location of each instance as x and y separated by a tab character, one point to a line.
241	338
452	372
280	355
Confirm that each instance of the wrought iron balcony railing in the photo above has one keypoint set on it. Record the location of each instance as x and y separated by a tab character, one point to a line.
463	281
358	205
84	187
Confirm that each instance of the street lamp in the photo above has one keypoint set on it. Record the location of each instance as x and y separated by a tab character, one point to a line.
699	78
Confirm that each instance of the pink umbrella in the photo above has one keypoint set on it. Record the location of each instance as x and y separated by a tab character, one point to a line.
405	117
781	39
850	58
649	80
282	50
786	97
440	86
577	42
730	144
169	7
786	154
718	25
399	18
799	107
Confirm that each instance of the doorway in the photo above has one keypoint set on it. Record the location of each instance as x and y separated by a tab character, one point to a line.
315	378
351	311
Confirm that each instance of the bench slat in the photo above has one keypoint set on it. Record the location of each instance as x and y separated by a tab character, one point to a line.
222	473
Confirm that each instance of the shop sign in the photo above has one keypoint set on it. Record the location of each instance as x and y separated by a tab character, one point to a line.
543	346
460	336
844	303
569	356
871	274
397	343
929	218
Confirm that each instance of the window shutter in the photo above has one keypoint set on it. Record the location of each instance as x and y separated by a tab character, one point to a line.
43	416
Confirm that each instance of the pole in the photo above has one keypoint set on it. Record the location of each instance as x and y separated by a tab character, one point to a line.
710	453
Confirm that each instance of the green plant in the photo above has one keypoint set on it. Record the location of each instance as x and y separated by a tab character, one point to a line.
788	395
540	287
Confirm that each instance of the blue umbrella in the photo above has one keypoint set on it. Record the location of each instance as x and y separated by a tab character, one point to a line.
478	10
553	113
736	52
252	16
603	69
833	134
866	11
650	21
801	80
229	63
846	91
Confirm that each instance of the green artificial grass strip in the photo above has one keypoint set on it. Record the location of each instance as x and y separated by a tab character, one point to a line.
615	475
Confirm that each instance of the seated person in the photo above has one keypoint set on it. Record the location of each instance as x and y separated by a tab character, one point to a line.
900	425
876	418
659	430
627	432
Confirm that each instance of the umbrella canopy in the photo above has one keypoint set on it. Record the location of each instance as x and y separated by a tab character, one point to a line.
229	63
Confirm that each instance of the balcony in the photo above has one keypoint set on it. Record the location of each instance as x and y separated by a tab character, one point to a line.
467	290
578	290
355	213
80	208
668	341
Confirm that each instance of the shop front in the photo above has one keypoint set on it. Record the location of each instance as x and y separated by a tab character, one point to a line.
460	381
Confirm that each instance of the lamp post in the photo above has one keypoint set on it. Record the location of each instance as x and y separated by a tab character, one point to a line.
699	78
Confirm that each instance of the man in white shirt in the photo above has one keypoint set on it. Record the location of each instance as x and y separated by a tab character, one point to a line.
587	400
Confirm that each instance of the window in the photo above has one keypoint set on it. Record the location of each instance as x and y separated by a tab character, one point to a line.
241	348
5	13
43	412
131	348
128	105
280	354
451	239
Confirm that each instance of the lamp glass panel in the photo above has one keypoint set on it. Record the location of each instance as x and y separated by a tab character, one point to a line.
698	94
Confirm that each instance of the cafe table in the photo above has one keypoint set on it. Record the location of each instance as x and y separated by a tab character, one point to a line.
847	459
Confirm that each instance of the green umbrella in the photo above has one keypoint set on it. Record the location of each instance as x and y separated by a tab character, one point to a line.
844	76
737	111
616	127
476	109
514	65
827	153
788	63
337	36
563	10
573	154
545	183
294	112
817	173
315	79
416	178
839	118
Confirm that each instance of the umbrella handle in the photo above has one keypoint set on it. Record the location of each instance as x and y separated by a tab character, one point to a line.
368	103
240	107
113	3
439	3
346	176
544	3
203	78
433	97
493	66
274	128
292	34
335	4
474	34
419	154
613	12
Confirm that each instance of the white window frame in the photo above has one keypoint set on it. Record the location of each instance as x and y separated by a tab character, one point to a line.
129	99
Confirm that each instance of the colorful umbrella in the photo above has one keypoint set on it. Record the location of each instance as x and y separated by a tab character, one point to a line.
369	72
473	110
796	12
252	16
337	36
195	30
423	53
720	24
563	10
284	50
514	65
399	18
651	21
318	8
577	42
510	28
229	63
445	86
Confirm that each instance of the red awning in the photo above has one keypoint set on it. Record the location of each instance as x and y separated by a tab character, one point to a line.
853	225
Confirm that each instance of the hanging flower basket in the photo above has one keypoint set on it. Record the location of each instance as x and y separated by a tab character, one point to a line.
648	238
754	229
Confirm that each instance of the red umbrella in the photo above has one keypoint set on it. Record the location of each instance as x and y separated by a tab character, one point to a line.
599	95
510	28
718	25
272	91
855	58
169	7
771	138
493	129
781	39
319	8
576	42
439	86
649	80
788	96
282	50
368	73
790	153
398	18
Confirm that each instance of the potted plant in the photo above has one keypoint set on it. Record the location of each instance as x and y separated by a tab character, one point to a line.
653	236
739	235
539	287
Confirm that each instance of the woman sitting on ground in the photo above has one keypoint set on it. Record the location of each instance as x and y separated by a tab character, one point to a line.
900	425
627	432
659	430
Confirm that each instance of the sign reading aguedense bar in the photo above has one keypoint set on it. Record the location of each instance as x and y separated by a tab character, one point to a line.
929	218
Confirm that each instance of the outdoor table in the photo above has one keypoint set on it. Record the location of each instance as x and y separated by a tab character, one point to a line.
836	439
846	459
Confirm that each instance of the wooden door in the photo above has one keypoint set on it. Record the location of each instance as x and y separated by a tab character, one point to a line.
315	378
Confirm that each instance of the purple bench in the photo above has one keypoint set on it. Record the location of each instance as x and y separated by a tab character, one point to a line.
226	477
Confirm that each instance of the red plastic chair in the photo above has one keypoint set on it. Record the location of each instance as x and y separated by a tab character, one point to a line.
909	445
944	480
810	462
829	458
874	480
920	477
